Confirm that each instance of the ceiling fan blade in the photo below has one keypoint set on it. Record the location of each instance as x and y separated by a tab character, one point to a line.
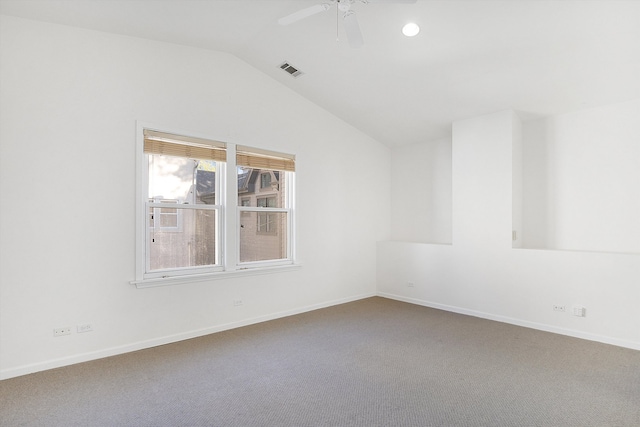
352	28
304	13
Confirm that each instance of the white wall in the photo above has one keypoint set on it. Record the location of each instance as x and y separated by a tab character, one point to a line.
517	201
421	192
482	275
581	176
69	103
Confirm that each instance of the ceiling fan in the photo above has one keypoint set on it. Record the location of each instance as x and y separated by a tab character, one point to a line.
351	26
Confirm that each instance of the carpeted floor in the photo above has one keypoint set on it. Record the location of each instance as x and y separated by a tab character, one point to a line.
373	362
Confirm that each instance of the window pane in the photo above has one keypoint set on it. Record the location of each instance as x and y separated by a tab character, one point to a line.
244	177
206	182
183	180
263	236
261	187
188	242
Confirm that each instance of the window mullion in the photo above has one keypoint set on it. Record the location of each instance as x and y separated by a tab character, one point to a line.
231	246
291	225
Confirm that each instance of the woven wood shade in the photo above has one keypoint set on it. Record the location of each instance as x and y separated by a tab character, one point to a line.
262	159
183	146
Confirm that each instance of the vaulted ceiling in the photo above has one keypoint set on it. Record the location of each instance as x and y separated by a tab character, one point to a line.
472	57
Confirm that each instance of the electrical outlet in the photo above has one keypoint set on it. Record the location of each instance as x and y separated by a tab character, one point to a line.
58	332
558	307
237	302
411	284
85	327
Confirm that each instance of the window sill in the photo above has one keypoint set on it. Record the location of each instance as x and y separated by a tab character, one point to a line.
243	272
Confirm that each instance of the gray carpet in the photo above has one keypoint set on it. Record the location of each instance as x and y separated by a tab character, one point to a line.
374	362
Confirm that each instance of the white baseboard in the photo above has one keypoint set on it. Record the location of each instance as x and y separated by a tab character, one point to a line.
518	322
141	345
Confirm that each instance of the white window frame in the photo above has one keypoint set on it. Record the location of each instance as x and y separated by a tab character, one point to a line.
227	248
144	205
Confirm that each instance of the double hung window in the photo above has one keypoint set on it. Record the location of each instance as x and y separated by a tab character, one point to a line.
183	208
265	220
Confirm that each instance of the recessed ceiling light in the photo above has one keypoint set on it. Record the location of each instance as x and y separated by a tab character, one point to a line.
410	29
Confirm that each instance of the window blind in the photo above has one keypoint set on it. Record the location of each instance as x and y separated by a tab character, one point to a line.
169	144
264	159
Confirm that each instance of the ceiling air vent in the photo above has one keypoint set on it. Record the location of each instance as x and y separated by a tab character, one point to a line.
291	69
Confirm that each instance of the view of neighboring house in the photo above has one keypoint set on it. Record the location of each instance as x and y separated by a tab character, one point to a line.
262	234
185	235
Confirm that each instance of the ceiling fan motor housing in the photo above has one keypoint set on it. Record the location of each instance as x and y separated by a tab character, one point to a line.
344	5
